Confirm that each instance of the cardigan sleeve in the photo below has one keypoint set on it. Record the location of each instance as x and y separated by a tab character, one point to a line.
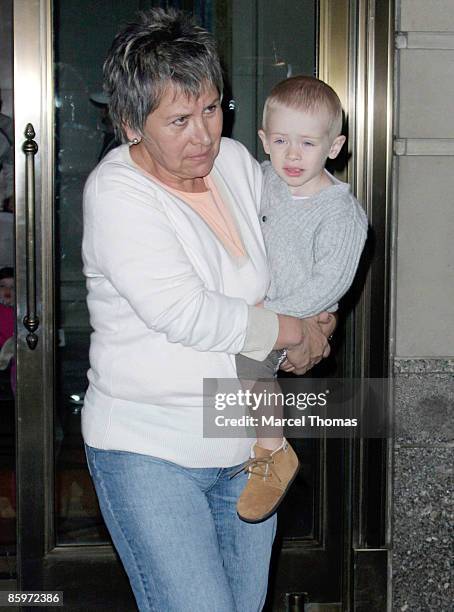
262	332
134	246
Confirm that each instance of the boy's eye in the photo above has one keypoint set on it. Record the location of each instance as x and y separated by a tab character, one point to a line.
279	141
308	144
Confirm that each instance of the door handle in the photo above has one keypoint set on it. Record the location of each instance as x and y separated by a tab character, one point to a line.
31	321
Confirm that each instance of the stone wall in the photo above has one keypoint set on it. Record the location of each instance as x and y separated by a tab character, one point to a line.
424	316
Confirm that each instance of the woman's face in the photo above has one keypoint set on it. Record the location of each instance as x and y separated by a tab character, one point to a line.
181	137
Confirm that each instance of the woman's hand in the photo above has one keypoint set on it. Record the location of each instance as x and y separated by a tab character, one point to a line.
327	322
314	347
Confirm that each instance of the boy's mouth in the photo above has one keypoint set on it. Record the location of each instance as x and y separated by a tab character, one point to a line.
293	171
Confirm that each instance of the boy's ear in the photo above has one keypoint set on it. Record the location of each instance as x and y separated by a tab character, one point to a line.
264	139
336	147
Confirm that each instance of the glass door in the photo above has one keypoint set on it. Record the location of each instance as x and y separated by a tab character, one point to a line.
62	130
7	299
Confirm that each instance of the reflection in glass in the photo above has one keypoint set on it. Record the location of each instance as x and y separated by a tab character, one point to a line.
7	297
256	41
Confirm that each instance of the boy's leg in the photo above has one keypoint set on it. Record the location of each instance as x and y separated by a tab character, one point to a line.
270	475
259	377
274	465
163	529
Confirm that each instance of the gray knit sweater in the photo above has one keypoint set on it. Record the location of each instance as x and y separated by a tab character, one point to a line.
313	245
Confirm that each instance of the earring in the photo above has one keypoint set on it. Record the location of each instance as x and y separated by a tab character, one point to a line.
134	141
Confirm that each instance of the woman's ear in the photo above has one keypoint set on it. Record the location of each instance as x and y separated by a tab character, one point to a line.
131	134
263	137
336	147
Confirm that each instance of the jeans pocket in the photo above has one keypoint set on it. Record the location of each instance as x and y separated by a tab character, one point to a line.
87	449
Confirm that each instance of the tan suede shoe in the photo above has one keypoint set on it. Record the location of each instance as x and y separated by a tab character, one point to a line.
270	475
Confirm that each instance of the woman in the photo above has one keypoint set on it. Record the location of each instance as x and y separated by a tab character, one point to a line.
175	261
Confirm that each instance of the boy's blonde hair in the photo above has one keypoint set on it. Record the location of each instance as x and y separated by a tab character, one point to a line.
306	93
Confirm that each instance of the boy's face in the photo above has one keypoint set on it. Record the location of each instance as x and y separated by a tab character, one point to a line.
7	291
299	143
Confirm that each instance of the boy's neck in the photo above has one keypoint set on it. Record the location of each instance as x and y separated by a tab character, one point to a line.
315	186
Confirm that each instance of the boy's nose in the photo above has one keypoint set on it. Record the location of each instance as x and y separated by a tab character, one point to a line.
293	152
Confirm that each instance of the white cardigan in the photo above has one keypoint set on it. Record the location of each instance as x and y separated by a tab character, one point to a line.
169	306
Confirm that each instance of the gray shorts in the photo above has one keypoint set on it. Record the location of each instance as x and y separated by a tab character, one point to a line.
250	369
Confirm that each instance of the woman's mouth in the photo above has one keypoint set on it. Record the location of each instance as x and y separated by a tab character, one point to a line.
200	157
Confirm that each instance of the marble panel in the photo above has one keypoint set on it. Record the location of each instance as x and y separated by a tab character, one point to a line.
404	365
426	93
426	15
425	268
423	530
424	409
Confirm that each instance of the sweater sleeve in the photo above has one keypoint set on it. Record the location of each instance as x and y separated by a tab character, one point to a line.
337	250
136	249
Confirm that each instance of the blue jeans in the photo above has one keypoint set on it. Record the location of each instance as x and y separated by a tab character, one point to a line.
178	534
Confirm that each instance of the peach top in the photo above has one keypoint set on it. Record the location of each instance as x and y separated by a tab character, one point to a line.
210	206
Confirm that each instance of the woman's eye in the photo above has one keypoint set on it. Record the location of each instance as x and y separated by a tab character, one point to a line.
279	141
211	109
180	121
308	144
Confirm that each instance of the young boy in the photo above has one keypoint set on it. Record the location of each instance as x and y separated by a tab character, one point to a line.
314	232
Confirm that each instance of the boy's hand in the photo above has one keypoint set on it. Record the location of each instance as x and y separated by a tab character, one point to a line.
315	346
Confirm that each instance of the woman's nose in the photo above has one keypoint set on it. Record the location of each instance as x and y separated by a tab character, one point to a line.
201	133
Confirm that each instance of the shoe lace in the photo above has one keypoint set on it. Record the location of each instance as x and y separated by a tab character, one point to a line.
258	466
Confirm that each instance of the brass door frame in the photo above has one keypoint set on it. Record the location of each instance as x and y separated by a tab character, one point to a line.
356	34
359	34
40	563
33	104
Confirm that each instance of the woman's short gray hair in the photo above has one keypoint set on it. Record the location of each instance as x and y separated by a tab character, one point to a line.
160	47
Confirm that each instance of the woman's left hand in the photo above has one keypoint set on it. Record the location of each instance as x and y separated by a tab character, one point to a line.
315	346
